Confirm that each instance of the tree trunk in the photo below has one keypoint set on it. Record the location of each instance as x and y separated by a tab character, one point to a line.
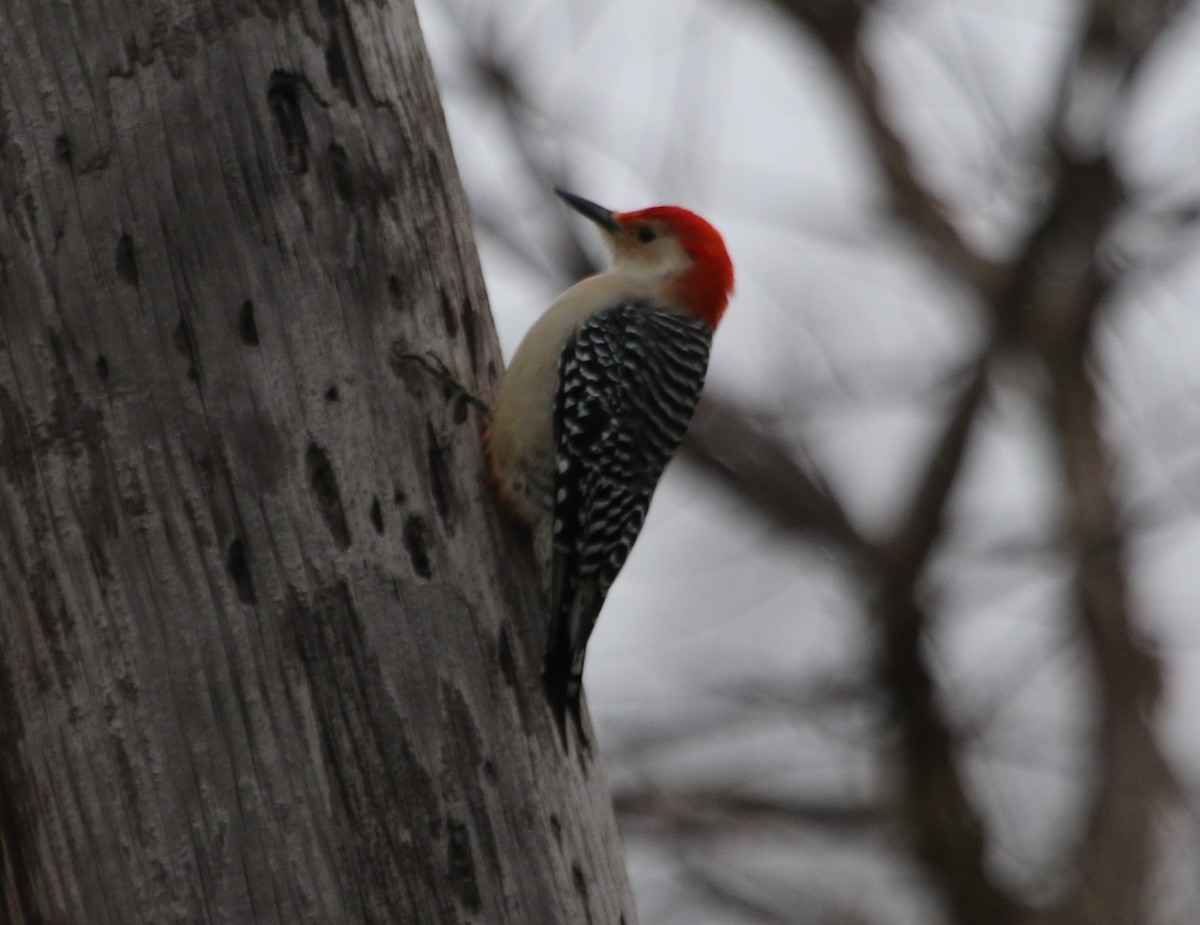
267	651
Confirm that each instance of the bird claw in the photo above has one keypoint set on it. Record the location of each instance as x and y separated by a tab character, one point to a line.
436	367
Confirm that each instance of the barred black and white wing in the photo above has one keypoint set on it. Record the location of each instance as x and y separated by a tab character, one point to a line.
629	381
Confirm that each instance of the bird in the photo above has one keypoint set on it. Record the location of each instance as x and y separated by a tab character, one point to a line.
594	404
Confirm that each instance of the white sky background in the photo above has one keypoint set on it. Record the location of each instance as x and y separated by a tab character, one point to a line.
840	327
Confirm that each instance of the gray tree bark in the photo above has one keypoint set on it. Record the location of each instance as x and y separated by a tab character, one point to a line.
268	653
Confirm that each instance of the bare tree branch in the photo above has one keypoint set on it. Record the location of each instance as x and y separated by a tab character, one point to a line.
835	26
1035	302
724	893
947	832
725	443
719	886
701	809
1115	857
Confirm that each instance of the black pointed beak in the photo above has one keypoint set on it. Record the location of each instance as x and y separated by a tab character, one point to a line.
603	217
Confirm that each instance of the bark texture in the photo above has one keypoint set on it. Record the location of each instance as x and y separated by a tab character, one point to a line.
267	651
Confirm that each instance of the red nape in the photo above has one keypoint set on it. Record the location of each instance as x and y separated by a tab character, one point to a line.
706	287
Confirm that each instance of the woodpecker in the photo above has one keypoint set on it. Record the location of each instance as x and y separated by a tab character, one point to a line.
594	404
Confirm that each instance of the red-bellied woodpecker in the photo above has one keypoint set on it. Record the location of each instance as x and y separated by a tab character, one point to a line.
594	404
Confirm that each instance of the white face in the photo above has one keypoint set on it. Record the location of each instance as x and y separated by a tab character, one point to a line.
647	250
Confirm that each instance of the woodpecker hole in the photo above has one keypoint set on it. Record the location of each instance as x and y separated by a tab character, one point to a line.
508	664
399	497
284	102
62	149
102	366
126	261
338	73
376	515
460	866
339	167
580	882
470	332
332	394
323	482
185	346
417	545
489	771
396	292
238	565
246	325
556	828
335	65
449	316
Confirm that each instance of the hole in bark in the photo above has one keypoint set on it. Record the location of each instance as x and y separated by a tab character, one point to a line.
102	366
580	882
338	73
62	149
508	664
339	166
127	260
324	486
395	293
376	515
417	545
399	497
246	325
239	570
556	827
448	315
468	324
284	102
461	866
489	770
332	394
185	346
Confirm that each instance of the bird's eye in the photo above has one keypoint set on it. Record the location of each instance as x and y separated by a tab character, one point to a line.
646	234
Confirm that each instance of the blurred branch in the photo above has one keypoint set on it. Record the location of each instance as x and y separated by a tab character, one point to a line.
572	256
703	810
501	81
725	442
1115	858
836	26
947	833
910	546
740	709
811	694
719	886
1116	855
719	890
1046	298
1114	39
